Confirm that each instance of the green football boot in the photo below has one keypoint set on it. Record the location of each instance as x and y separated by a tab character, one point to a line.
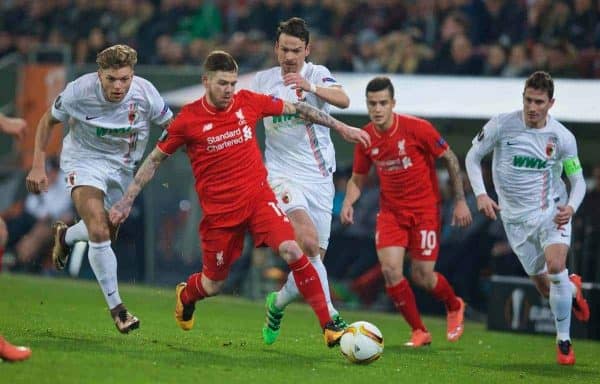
339	322
270	330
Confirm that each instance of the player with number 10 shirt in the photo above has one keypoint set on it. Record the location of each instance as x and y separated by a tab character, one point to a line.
403	150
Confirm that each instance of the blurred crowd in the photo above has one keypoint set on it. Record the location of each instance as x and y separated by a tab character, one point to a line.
457	37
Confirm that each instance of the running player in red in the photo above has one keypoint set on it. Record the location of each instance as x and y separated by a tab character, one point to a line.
219	133
403	150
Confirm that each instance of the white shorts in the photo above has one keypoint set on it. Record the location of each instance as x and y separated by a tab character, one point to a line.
530	238
110	180
315	199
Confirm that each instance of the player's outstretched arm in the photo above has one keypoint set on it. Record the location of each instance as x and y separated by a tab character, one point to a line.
462	213
353	190
36	180
314	115
119	212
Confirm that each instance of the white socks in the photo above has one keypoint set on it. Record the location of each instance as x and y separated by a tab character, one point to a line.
104	264
77	232
289	292
561	298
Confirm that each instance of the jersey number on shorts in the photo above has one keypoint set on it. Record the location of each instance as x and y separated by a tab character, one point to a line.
428	242
278	210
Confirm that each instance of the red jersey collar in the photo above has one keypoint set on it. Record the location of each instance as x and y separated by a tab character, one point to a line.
213	110
389	132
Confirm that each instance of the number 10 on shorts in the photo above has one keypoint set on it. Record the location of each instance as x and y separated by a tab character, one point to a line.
428	241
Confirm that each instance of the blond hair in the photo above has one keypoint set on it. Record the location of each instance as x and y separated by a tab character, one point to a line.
117	56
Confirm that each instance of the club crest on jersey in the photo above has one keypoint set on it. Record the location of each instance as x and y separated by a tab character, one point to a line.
402	147
71	178
286	198
551	147
132	115
374	151
220	259
240	116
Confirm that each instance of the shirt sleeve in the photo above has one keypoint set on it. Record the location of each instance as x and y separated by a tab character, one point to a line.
160	112
325	78
268	105
173	136
431	139
362	162
486	139
61	106
483	144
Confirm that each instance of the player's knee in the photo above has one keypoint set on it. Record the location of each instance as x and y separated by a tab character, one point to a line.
290	251
98	231
310	244
3	234
392	274
555	266
422	277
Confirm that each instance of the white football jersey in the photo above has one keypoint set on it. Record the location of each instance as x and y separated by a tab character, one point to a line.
99	130
527	163
293	146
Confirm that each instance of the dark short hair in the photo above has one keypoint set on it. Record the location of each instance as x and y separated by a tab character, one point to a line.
380	83
294	27
219	61
541	81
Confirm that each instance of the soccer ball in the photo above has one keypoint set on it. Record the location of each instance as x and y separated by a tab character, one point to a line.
362	342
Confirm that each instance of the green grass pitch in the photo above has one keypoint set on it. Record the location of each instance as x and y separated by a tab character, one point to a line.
74	341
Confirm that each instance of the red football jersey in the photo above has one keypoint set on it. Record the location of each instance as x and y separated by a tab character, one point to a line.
404	157
223	151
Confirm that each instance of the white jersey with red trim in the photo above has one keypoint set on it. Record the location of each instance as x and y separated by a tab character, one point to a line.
527	163
115	134
296	148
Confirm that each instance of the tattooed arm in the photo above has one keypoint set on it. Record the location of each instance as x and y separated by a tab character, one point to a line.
314	115
462	214
119	212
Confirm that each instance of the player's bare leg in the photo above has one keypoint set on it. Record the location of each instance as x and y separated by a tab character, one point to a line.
435	283
275	303
89	202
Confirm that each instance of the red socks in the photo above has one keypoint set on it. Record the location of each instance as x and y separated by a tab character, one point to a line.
309	285
194	290
404	299
443	292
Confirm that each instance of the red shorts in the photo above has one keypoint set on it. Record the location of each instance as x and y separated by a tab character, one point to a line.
222	246
418	233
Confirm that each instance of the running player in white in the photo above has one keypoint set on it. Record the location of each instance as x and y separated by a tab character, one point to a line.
300	158
530	152
108	114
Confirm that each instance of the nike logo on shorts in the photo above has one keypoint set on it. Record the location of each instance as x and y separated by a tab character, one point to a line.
91	117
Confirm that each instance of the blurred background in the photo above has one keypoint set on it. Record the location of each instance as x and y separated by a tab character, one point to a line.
450	51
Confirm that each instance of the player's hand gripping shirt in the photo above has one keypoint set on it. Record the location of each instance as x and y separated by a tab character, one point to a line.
294	146
404	157
223	151
527	163
100	130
